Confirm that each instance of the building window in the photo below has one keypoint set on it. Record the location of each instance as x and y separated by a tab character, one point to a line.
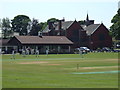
101	37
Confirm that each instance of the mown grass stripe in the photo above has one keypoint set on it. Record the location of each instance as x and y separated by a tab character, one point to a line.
45	59
97	72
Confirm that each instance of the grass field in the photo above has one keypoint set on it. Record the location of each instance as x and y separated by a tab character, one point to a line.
94	70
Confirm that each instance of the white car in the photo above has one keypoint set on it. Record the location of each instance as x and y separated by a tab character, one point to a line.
85	48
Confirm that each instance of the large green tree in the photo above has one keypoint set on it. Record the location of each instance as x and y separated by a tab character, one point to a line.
34	27
115	28
52	20
43	24
20	23
6	28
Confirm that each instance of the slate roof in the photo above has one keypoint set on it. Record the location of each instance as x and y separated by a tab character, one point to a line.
91	28
65	25
61	40
4	42
83	26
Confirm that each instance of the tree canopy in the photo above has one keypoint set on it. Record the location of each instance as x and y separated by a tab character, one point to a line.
52	20
35	27
6	28
20	23
115	28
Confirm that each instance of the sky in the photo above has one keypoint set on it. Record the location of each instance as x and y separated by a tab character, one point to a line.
102	11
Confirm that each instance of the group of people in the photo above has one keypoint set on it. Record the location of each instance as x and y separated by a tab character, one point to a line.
28	51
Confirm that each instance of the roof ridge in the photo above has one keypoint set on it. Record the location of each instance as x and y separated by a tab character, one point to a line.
70	24
96	28
44	40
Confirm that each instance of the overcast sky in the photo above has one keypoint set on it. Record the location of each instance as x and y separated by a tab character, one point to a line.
98	10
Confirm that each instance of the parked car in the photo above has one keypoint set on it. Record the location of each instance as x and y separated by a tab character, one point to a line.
106	49
85	48
118	45
115	50
76	50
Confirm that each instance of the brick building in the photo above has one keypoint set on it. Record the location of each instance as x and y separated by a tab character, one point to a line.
63	37
87	34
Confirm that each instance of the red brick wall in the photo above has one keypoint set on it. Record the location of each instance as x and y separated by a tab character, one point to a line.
83	39
73	33
102	32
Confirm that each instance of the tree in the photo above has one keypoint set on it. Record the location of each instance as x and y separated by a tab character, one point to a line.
6	28
20	23
35	27
43	24
115	28
81	22
52	20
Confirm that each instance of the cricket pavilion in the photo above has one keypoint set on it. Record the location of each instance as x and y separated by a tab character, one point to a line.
55	44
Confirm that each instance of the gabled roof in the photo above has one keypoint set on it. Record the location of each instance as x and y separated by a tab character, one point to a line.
43	40
91	28
65	25
4	42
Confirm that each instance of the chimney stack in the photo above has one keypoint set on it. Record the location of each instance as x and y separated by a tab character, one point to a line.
60	24
40	34
63	19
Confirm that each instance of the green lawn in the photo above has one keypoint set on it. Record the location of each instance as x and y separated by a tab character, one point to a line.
57	71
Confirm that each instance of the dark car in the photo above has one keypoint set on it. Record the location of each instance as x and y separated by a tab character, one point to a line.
106	49
115	50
